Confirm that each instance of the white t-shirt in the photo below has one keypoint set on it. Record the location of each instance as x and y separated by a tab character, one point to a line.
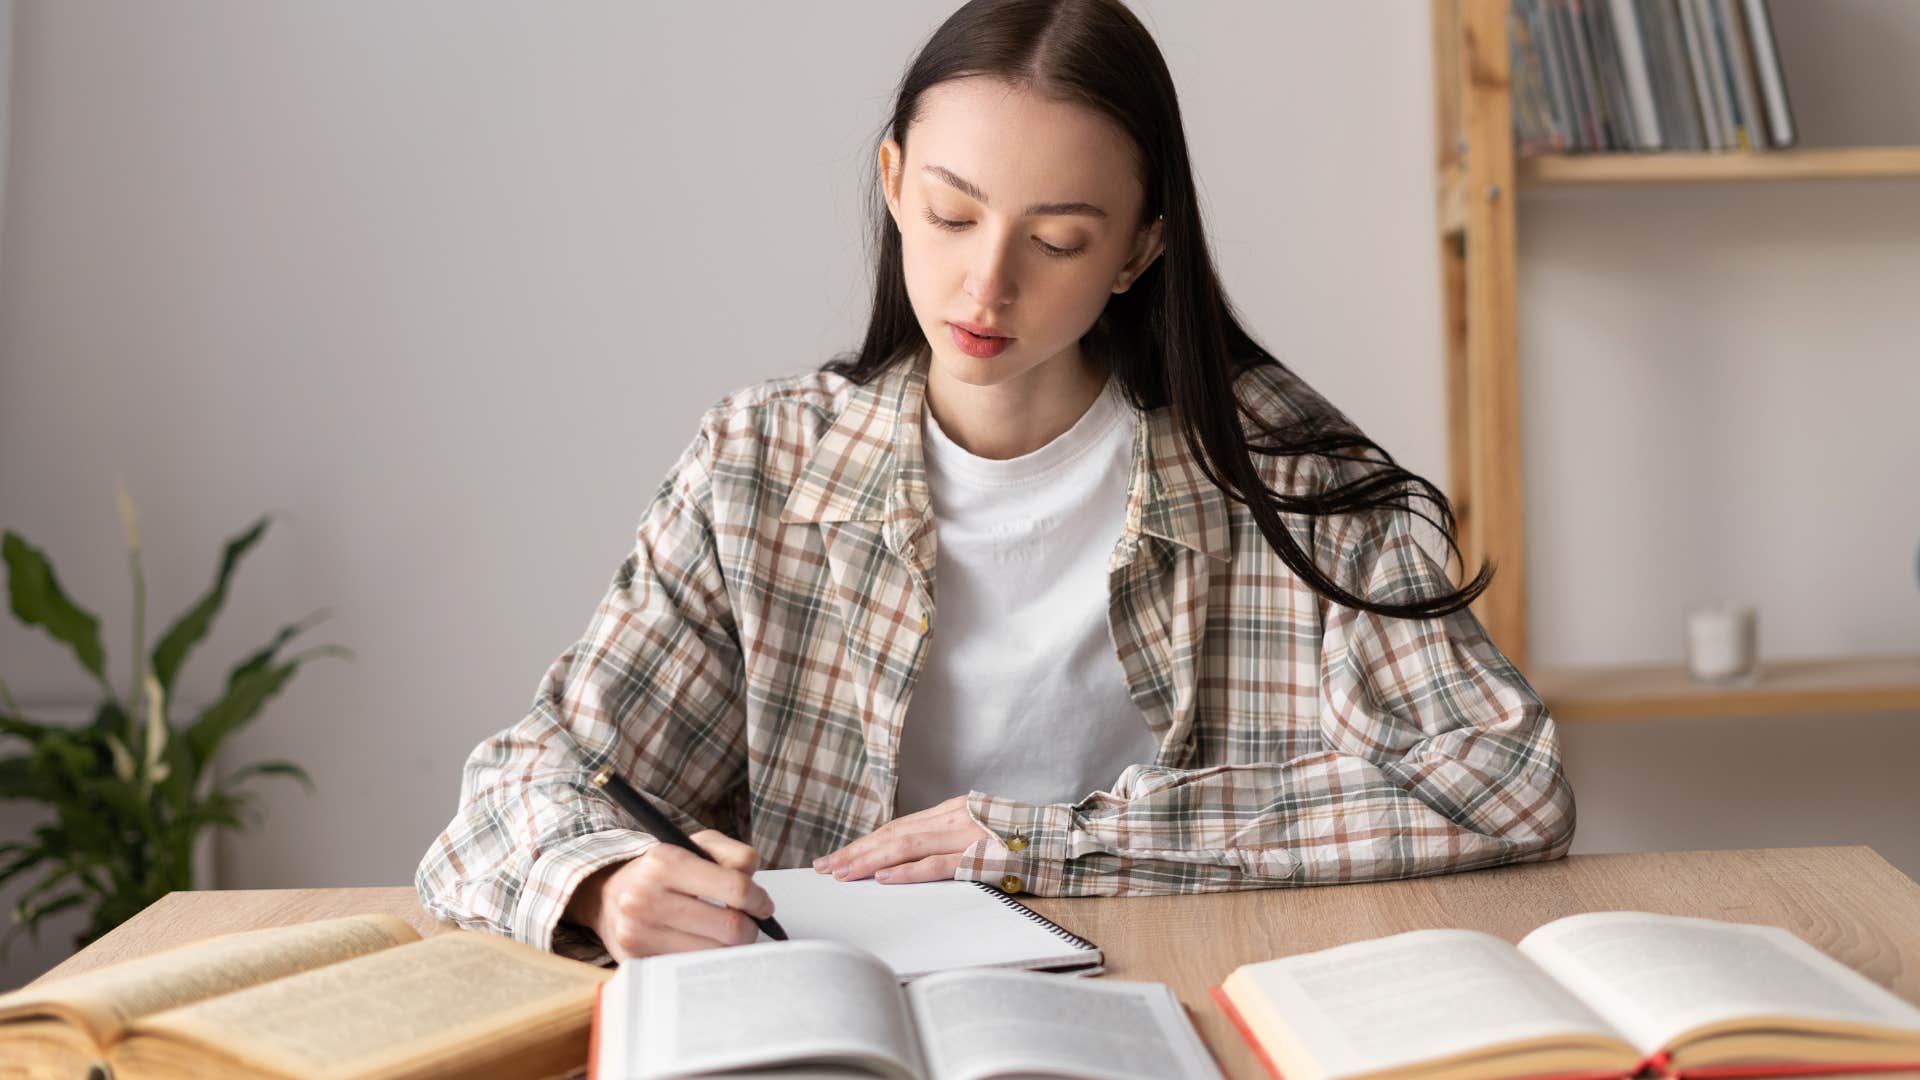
1021	694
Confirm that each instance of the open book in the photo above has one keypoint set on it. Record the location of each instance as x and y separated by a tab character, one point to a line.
833	1009
1605	994
358	997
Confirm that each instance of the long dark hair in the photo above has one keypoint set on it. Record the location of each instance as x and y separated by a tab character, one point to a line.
1172	338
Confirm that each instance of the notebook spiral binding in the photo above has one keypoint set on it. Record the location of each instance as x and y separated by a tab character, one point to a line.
1049	925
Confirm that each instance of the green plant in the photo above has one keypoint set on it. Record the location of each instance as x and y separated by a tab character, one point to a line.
130	798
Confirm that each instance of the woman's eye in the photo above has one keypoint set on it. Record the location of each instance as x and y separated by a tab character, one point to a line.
939	222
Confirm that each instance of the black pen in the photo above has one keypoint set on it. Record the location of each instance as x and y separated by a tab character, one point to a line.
663	828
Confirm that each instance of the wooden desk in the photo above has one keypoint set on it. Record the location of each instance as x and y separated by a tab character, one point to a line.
1847	901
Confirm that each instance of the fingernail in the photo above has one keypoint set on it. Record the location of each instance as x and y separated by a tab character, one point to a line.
840	873
819	862
884	875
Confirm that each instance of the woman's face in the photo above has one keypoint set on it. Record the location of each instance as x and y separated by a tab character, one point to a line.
1015	213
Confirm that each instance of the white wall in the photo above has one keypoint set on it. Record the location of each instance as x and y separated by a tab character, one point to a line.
445	287
6	83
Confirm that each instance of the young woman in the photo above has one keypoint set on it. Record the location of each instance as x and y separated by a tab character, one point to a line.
1060	582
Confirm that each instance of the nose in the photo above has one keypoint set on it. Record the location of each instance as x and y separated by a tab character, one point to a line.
990	274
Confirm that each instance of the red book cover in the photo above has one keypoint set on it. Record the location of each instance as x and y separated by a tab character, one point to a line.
1219	995
593	1034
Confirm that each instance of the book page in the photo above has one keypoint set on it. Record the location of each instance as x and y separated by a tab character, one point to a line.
1656	976
106	999
459	992
992	1023
753	1005
1413	997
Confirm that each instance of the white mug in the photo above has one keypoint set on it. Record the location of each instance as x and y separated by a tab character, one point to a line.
1720	643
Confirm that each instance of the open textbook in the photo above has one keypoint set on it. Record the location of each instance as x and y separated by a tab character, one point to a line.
1600	995
353	998
832	1009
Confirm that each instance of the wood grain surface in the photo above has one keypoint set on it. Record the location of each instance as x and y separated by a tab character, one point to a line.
1847	901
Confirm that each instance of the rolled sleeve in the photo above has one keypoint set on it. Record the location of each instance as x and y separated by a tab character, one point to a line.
559	871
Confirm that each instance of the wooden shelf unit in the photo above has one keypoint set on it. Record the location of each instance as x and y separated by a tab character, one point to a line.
1843	163
1836	685
1478	177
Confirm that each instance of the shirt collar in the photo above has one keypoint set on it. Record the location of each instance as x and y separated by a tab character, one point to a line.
870	466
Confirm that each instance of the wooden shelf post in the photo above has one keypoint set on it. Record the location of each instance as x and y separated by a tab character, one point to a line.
1477	273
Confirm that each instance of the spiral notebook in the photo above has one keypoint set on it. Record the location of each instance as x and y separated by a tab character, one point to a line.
925	927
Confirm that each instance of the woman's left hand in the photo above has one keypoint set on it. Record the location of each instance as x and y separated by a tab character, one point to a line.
923	846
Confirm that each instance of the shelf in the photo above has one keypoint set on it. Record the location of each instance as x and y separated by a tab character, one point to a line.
1478	173
1836	685
1842	163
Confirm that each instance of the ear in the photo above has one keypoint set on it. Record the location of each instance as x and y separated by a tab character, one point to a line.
1146	248
892	161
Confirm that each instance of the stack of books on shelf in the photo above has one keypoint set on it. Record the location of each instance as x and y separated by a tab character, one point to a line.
1593	76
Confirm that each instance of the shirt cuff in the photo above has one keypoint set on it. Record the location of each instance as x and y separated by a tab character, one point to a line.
1026	846
558	871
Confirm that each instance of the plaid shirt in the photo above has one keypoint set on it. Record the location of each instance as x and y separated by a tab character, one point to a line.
751	663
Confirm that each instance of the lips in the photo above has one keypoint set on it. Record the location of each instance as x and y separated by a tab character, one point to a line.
982	348
977	330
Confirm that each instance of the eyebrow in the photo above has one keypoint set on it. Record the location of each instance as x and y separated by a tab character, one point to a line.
1082	209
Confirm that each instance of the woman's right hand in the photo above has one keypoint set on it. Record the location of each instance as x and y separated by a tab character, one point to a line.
652	904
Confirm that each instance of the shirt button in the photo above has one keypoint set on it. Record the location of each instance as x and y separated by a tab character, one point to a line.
923	622
1010	884
1016	843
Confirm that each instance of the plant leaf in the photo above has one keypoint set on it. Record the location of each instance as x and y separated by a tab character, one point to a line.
31	919
180	639
46	885
24	858
271	768
182	777
73	759
220	807
245	696
242	702
111	719
38	600
20	780
26	729
265	655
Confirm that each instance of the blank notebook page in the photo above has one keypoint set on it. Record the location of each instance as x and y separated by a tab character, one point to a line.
924	927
